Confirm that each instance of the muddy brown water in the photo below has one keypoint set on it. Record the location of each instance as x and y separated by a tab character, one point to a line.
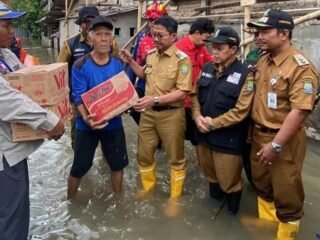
96	213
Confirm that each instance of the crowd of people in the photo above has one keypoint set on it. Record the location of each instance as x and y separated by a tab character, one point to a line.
186	92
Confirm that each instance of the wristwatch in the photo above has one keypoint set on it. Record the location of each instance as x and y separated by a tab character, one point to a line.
156	101
276	147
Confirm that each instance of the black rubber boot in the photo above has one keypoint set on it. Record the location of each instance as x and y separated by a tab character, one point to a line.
215	191
233	201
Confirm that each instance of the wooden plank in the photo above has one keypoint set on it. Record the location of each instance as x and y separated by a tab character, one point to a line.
245	3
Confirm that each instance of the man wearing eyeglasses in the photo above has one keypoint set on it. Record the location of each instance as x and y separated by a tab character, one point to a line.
286	87
168	73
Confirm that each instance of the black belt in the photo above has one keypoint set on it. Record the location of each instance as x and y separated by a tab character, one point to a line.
266	129
162	108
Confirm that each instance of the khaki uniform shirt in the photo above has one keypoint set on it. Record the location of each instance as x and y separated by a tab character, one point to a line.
288	81
168	72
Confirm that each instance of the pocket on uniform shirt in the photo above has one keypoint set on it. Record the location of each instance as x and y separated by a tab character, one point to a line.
167	80
281	87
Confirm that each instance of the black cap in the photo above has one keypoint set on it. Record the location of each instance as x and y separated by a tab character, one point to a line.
100	21
225	35
273	18
87	11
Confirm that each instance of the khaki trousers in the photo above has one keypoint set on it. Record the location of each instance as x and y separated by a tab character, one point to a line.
222	168
281	182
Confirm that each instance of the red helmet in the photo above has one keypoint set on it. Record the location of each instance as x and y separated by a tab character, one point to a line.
155	11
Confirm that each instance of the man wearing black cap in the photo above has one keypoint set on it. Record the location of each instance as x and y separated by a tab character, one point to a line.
75	48
87	73
286	85
222	102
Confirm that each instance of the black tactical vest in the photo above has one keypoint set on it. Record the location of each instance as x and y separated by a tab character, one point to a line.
217	95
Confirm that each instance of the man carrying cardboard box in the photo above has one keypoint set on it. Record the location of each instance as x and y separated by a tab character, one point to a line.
87	73
17	107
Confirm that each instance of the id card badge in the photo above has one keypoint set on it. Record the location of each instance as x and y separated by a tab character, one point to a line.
272	100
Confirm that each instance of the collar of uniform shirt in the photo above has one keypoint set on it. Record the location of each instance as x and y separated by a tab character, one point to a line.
169	52
282	56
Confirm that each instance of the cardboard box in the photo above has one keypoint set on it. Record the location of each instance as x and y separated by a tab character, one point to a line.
45	84
22	132
111	97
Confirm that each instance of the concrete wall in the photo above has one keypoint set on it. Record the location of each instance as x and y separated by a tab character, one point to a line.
124	21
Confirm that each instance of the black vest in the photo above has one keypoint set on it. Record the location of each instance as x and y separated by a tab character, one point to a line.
78	49
217	95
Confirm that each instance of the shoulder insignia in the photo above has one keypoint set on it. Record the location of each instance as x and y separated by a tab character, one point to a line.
181	55
152	51
301	60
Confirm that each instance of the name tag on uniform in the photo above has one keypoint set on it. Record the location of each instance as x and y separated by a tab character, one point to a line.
272	100
234	78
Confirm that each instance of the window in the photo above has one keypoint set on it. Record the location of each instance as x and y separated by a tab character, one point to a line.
132	31
117	31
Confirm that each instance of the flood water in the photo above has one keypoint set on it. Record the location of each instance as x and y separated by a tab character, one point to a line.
96	213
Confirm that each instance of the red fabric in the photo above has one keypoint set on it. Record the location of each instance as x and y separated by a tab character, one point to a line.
198	56
155	11
146	44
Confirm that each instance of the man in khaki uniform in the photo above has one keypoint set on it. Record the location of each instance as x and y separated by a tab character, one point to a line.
220	109
286	85
168	74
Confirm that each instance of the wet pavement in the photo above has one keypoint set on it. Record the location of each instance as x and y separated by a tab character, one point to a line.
96	213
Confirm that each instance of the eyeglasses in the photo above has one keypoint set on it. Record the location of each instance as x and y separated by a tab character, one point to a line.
159	35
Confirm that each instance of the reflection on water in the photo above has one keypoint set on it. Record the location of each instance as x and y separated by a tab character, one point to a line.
96	213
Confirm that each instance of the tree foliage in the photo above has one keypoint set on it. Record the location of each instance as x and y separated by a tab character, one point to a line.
33	13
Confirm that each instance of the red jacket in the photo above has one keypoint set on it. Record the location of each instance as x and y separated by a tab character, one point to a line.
198	56
145	45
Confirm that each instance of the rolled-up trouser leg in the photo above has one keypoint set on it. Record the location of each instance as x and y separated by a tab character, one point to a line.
14	201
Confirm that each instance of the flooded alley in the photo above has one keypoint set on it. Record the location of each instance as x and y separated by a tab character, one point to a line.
96	213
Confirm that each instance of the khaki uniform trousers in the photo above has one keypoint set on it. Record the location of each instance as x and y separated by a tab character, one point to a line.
167	125
281	182
224	169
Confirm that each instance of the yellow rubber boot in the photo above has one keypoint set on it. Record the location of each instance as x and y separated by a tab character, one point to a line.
266	210
148	181
177	182
288	231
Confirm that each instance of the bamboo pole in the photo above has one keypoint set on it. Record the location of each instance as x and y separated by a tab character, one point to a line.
139	20
141	29
66	9
247	10
68	12
297	21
